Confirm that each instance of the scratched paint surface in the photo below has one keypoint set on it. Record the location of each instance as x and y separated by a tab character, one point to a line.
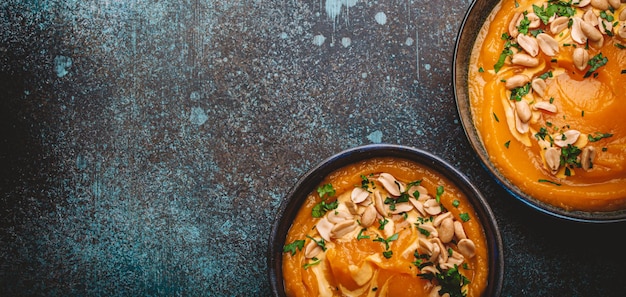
146	145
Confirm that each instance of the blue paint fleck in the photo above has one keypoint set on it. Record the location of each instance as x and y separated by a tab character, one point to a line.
376	136
61	64
198	116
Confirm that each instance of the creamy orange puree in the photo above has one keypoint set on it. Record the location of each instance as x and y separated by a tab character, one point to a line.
357	267
589	105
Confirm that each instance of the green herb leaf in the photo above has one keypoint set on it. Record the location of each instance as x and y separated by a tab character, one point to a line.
439	193
452	282
506	144
569	155
366	183
596	62
548	181
464	217
518	93
382	223
388	240
292	247
326	190
314	260
321	243
320	209
361	236
598	136
505	53
496	117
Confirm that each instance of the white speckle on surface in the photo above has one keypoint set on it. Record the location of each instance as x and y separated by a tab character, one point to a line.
381	18
346	41
198	116
61	64
364	75
427	66
375	137
409	41
319	40
194	96
333	7
417	54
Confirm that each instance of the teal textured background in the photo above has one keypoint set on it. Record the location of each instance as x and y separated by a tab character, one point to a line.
146	145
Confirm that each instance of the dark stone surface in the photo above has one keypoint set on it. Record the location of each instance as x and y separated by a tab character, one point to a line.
146	145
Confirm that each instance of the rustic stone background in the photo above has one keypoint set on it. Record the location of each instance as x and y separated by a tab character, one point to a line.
146	145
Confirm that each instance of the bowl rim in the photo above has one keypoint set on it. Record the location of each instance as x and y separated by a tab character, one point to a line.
476	15
292	202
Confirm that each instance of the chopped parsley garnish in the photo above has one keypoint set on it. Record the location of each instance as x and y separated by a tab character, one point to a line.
292	247
464	217
598	136
388	240
546	75
439	193
560	8
523	24
361	236
536	32
606	16
415	194
366	183
451	282
620	46
506	144
518	93
569	155
542	133
382	223
423	231
596	62
505	53
496	117
315	261
326	189
456	203
321	243
320	209
481	70
548	181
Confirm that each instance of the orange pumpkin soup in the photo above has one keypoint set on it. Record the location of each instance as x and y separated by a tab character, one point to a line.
385	227
547	85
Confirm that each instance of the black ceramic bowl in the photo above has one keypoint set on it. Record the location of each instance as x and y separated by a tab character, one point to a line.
472	23
307	183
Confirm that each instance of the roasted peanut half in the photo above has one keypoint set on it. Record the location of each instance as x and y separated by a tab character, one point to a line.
558	25
516	81
524	60
548	45
590	31
615	3
553	159
529	44
586	157
600	4
580	57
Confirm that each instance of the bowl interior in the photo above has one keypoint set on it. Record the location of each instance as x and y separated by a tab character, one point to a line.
297	195
468	32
